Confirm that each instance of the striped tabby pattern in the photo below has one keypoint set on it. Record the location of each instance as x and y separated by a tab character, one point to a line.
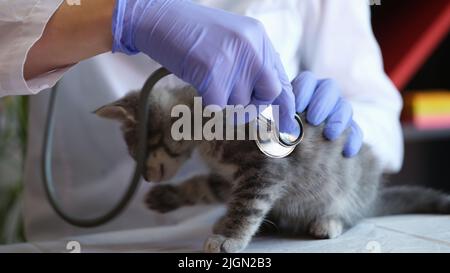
315	190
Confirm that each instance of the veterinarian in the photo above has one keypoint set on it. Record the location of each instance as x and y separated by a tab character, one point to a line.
318	56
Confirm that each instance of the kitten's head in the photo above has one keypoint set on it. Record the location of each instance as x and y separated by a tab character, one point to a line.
165	156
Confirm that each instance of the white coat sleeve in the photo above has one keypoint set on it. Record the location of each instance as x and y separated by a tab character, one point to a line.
339	43
22	23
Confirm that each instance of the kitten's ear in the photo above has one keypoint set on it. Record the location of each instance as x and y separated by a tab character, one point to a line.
116	112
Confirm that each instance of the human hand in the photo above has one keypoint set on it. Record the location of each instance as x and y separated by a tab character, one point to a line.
228	58
322	101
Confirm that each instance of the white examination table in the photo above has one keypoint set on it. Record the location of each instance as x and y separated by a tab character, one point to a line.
413	233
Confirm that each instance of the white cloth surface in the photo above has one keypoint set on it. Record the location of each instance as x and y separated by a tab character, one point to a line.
92	167
396	234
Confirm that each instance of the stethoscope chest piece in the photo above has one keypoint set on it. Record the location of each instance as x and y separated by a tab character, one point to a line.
273	143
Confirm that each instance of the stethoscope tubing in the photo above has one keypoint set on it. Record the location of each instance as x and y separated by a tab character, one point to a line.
47	177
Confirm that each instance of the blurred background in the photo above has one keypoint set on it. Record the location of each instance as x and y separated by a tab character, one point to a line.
415	41
414	37
13	137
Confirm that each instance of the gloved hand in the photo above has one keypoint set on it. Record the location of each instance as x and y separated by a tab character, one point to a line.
228	58
323	103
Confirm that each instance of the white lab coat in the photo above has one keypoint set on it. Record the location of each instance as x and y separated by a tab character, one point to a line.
327	37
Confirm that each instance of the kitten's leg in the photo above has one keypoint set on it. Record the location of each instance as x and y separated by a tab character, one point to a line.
326	228
197	190
251	200
267	227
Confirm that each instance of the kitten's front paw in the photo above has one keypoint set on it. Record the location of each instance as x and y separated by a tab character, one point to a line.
326	228
163	198
221	244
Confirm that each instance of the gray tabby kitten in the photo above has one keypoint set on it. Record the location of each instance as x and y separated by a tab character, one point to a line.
314	190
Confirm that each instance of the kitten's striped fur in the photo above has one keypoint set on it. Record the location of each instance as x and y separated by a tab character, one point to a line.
314	190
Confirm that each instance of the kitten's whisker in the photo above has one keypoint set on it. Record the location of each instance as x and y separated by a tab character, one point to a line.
271	223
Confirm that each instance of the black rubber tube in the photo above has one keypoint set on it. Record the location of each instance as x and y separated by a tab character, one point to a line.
47	177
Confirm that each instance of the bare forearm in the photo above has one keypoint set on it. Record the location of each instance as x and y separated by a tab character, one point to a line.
73	34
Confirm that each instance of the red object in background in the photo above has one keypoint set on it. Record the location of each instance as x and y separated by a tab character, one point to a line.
408	32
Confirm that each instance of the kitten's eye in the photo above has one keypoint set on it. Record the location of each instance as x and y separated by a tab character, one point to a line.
176	147
153	140
177	144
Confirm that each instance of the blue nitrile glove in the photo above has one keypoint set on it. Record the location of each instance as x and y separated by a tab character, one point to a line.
323	103
228	58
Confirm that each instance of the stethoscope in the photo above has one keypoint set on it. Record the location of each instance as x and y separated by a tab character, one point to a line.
273	144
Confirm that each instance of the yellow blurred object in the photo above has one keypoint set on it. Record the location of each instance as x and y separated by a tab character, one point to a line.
427	102
427	109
